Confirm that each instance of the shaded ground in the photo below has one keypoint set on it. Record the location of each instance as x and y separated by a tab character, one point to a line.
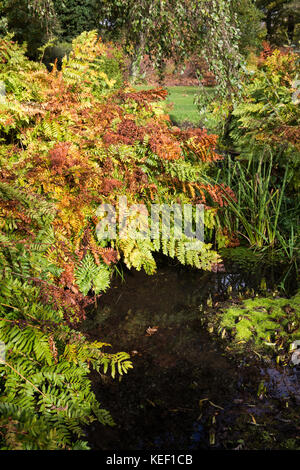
185	392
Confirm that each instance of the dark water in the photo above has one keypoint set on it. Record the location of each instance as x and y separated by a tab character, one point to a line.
184	391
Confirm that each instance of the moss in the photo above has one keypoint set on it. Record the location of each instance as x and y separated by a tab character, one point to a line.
264	321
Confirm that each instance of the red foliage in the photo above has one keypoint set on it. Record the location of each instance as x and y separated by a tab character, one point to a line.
288	133
58	157
200	143
161	139
218	193
129	129
14	209
266	52
109	184
145	96
72	302
165	146
67	277
111	138
109	256
128	133
233	240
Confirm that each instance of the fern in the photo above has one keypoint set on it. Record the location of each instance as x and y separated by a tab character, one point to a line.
90	276
46	391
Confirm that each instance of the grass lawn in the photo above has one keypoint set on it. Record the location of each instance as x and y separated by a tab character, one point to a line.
184	108
182	98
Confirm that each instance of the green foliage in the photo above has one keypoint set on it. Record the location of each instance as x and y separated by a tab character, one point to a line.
76	16
138	253
282	18
249	20
268	116
46	391
267	322
157	28
90	276
261	211
170	29
104	71
31	21
247	259
113	66
263	128
161	29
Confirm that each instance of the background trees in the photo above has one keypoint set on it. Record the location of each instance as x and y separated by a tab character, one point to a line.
76	16
282	20
31	21
162	29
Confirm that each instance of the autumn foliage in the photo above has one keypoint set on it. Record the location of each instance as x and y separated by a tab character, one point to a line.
78	142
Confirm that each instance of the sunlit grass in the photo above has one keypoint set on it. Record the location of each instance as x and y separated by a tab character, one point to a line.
182	100
184	109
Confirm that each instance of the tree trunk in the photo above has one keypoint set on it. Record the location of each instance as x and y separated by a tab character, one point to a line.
269	26
291	27
137	56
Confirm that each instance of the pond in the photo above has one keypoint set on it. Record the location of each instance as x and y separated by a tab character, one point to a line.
185	391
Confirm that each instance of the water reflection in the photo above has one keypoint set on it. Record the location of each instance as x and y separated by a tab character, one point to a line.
183	393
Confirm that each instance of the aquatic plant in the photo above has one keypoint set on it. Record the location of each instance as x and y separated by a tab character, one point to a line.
263	322
261	211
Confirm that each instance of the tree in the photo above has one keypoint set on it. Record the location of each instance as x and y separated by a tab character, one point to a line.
167	28
31	21
75	16
213	29
249	20
282	18
159	28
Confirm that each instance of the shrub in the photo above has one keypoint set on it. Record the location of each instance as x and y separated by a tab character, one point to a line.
263	131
